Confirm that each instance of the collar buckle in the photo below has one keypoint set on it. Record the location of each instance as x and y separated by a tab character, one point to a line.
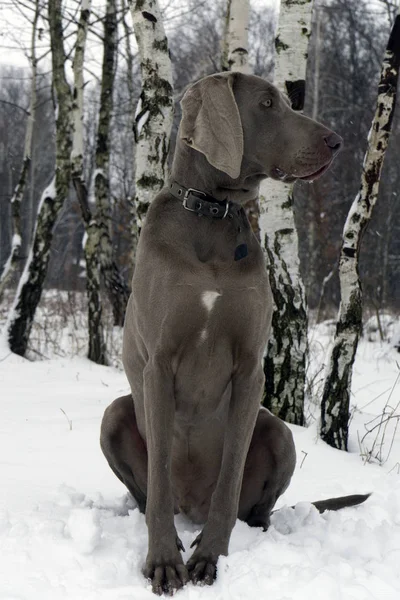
186	196
201	203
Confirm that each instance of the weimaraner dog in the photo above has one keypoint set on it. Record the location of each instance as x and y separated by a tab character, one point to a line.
192	436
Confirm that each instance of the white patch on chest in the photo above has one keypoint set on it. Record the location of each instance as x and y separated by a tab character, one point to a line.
208	298
203	335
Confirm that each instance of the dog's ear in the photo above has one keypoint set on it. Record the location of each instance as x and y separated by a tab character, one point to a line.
211	123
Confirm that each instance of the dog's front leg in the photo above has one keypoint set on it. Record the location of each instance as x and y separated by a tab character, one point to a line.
164	564
247	386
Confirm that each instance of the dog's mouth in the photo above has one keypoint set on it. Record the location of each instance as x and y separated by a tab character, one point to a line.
317	173
289	178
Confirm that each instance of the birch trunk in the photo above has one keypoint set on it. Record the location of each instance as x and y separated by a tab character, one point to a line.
116	287
17	197
129	64
78	92
285	362
30	286
236	54
154	113
225	39
96	350
337	385
234	57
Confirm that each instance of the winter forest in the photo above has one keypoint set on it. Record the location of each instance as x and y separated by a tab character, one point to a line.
90	104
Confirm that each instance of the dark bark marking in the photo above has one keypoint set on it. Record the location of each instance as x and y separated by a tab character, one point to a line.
350	252
149	16
394	42
279	45
288	203
85	15
287	324
336	393
286	231
161	45
150	181
296	90
352	320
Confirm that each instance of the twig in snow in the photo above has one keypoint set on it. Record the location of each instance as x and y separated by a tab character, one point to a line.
66	416
304	458
398	468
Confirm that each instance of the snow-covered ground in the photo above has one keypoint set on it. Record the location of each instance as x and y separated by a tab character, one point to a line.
69	531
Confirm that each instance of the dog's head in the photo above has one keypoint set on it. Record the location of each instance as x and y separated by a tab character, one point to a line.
239	121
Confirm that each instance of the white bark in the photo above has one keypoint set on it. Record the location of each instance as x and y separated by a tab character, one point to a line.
288	347
317	69
156	104
77	109
337	386
291	43
78	95
129	64
237	42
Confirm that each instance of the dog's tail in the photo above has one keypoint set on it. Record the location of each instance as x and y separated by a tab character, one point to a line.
336	503
340	502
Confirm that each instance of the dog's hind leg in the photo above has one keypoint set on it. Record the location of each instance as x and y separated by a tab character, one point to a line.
270	463
124	448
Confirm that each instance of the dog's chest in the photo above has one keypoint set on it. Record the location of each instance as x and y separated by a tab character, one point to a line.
227	322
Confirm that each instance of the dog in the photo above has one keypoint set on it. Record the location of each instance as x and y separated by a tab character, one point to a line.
192	436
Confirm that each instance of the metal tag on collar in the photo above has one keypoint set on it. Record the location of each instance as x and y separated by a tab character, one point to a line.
188	191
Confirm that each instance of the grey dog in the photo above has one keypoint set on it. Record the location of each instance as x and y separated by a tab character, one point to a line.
192	436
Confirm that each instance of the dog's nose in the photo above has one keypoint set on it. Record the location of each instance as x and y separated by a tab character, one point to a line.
334	142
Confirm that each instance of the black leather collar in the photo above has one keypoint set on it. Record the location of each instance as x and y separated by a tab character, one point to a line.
203	204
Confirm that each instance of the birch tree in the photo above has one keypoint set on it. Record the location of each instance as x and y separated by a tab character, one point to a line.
17	197
30	286
154	113
96	350
337	385
235	55
285	362
101	240
129	65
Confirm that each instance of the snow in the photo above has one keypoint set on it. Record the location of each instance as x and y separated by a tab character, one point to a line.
141	122
138	108
16	240
69	531
13	313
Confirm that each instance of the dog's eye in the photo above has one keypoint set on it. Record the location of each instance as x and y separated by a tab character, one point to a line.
267	103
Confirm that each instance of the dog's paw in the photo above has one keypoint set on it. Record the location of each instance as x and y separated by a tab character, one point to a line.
202	571
256	521
166	572
167	578
210	545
